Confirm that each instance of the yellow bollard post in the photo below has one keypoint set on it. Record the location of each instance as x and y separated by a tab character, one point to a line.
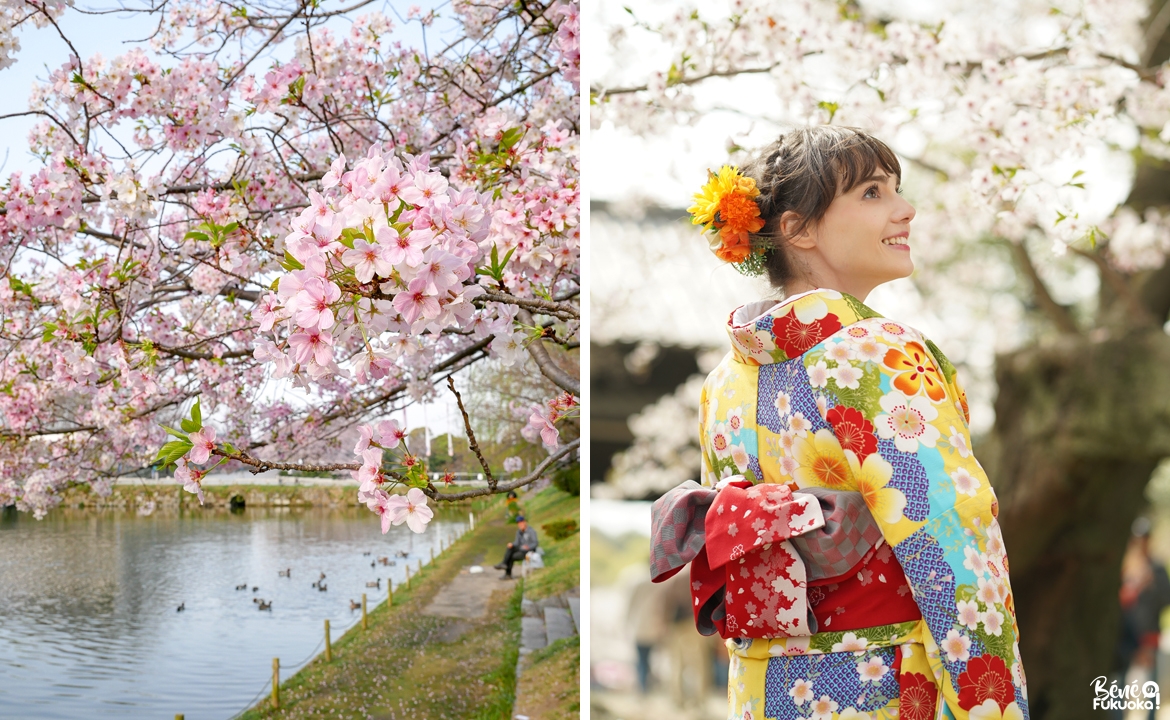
328	645
432	556
179	716
389	592
276	683
408	577
420	566
365	623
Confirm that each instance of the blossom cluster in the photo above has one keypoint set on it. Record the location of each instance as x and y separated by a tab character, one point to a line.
542	422
336	220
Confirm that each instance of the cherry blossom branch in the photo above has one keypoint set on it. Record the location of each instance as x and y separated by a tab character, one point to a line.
1139	314
471	435
1056	312
532	477
559	309
544	361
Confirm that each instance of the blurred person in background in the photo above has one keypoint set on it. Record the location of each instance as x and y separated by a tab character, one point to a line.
1145	593
648	623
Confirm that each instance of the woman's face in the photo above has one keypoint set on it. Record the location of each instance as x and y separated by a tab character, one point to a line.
864	238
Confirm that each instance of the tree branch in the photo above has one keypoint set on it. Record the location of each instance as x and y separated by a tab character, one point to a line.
515	484
548	368
471	435
1056	312
1141	314
559	309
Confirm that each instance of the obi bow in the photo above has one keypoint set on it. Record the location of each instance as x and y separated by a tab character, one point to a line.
753	550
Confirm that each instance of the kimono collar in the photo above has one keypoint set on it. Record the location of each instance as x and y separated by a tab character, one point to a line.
768	332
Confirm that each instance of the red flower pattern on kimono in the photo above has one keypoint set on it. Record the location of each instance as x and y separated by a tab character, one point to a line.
917	696
794	337
853	431
915	372
986	677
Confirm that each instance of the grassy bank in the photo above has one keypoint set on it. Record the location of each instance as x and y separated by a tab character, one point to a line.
549	688
168	495
412	665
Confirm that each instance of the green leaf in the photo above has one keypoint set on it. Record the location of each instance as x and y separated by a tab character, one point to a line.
172	451
195	235
196	415
189	425
176	433
290	263
349	235
229	448
510	138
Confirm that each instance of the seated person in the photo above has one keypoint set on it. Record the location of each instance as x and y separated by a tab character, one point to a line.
524	543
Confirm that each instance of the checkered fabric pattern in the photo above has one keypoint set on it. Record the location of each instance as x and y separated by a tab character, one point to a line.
850	532
677	521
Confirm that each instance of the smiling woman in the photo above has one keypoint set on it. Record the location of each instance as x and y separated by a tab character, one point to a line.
851	556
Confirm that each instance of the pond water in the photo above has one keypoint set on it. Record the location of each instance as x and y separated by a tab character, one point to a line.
89	625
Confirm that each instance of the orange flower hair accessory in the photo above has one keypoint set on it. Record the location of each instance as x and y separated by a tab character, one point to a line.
726	206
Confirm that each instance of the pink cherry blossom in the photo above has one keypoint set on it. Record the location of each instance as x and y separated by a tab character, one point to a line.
413	511
202	442
367	260
313	302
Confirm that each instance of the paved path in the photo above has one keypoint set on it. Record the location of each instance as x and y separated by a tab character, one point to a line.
466	596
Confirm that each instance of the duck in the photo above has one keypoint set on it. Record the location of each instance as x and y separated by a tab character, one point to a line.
373	564
322	587
354	605
242	587
384	560
322	577
182	606
401	553
376	584
255	588
255	600
314	583
285	573
265	605
367	553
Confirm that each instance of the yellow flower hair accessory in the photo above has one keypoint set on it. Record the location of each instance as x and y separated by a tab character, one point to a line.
726	206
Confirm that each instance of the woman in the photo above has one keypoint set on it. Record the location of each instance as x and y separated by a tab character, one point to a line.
824	395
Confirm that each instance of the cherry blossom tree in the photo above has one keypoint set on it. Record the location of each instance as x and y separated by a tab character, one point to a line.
270	225
997	110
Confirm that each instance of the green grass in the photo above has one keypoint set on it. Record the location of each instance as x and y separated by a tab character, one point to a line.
549	688
562	558
410	665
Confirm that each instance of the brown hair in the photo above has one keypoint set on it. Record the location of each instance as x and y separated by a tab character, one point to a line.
803	171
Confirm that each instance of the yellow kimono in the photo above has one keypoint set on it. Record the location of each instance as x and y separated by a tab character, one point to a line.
821	391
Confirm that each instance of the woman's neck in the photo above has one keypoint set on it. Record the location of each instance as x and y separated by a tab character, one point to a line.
803	285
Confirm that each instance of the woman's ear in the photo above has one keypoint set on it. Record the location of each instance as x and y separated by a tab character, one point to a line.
789	222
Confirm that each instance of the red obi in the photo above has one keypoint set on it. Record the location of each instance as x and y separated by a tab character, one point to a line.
749	581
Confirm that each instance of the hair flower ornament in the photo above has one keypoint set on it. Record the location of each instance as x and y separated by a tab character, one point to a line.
726	206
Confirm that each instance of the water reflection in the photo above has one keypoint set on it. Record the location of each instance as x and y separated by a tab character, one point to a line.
88	620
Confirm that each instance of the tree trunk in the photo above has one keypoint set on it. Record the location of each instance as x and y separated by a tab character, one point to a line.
1081	423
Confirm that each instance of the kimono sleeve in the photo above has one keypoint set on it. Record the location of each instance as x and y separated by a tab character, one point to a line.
901	419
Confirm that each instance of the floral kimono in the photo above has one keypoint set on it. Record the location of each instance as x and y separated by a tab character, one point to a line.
820	391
